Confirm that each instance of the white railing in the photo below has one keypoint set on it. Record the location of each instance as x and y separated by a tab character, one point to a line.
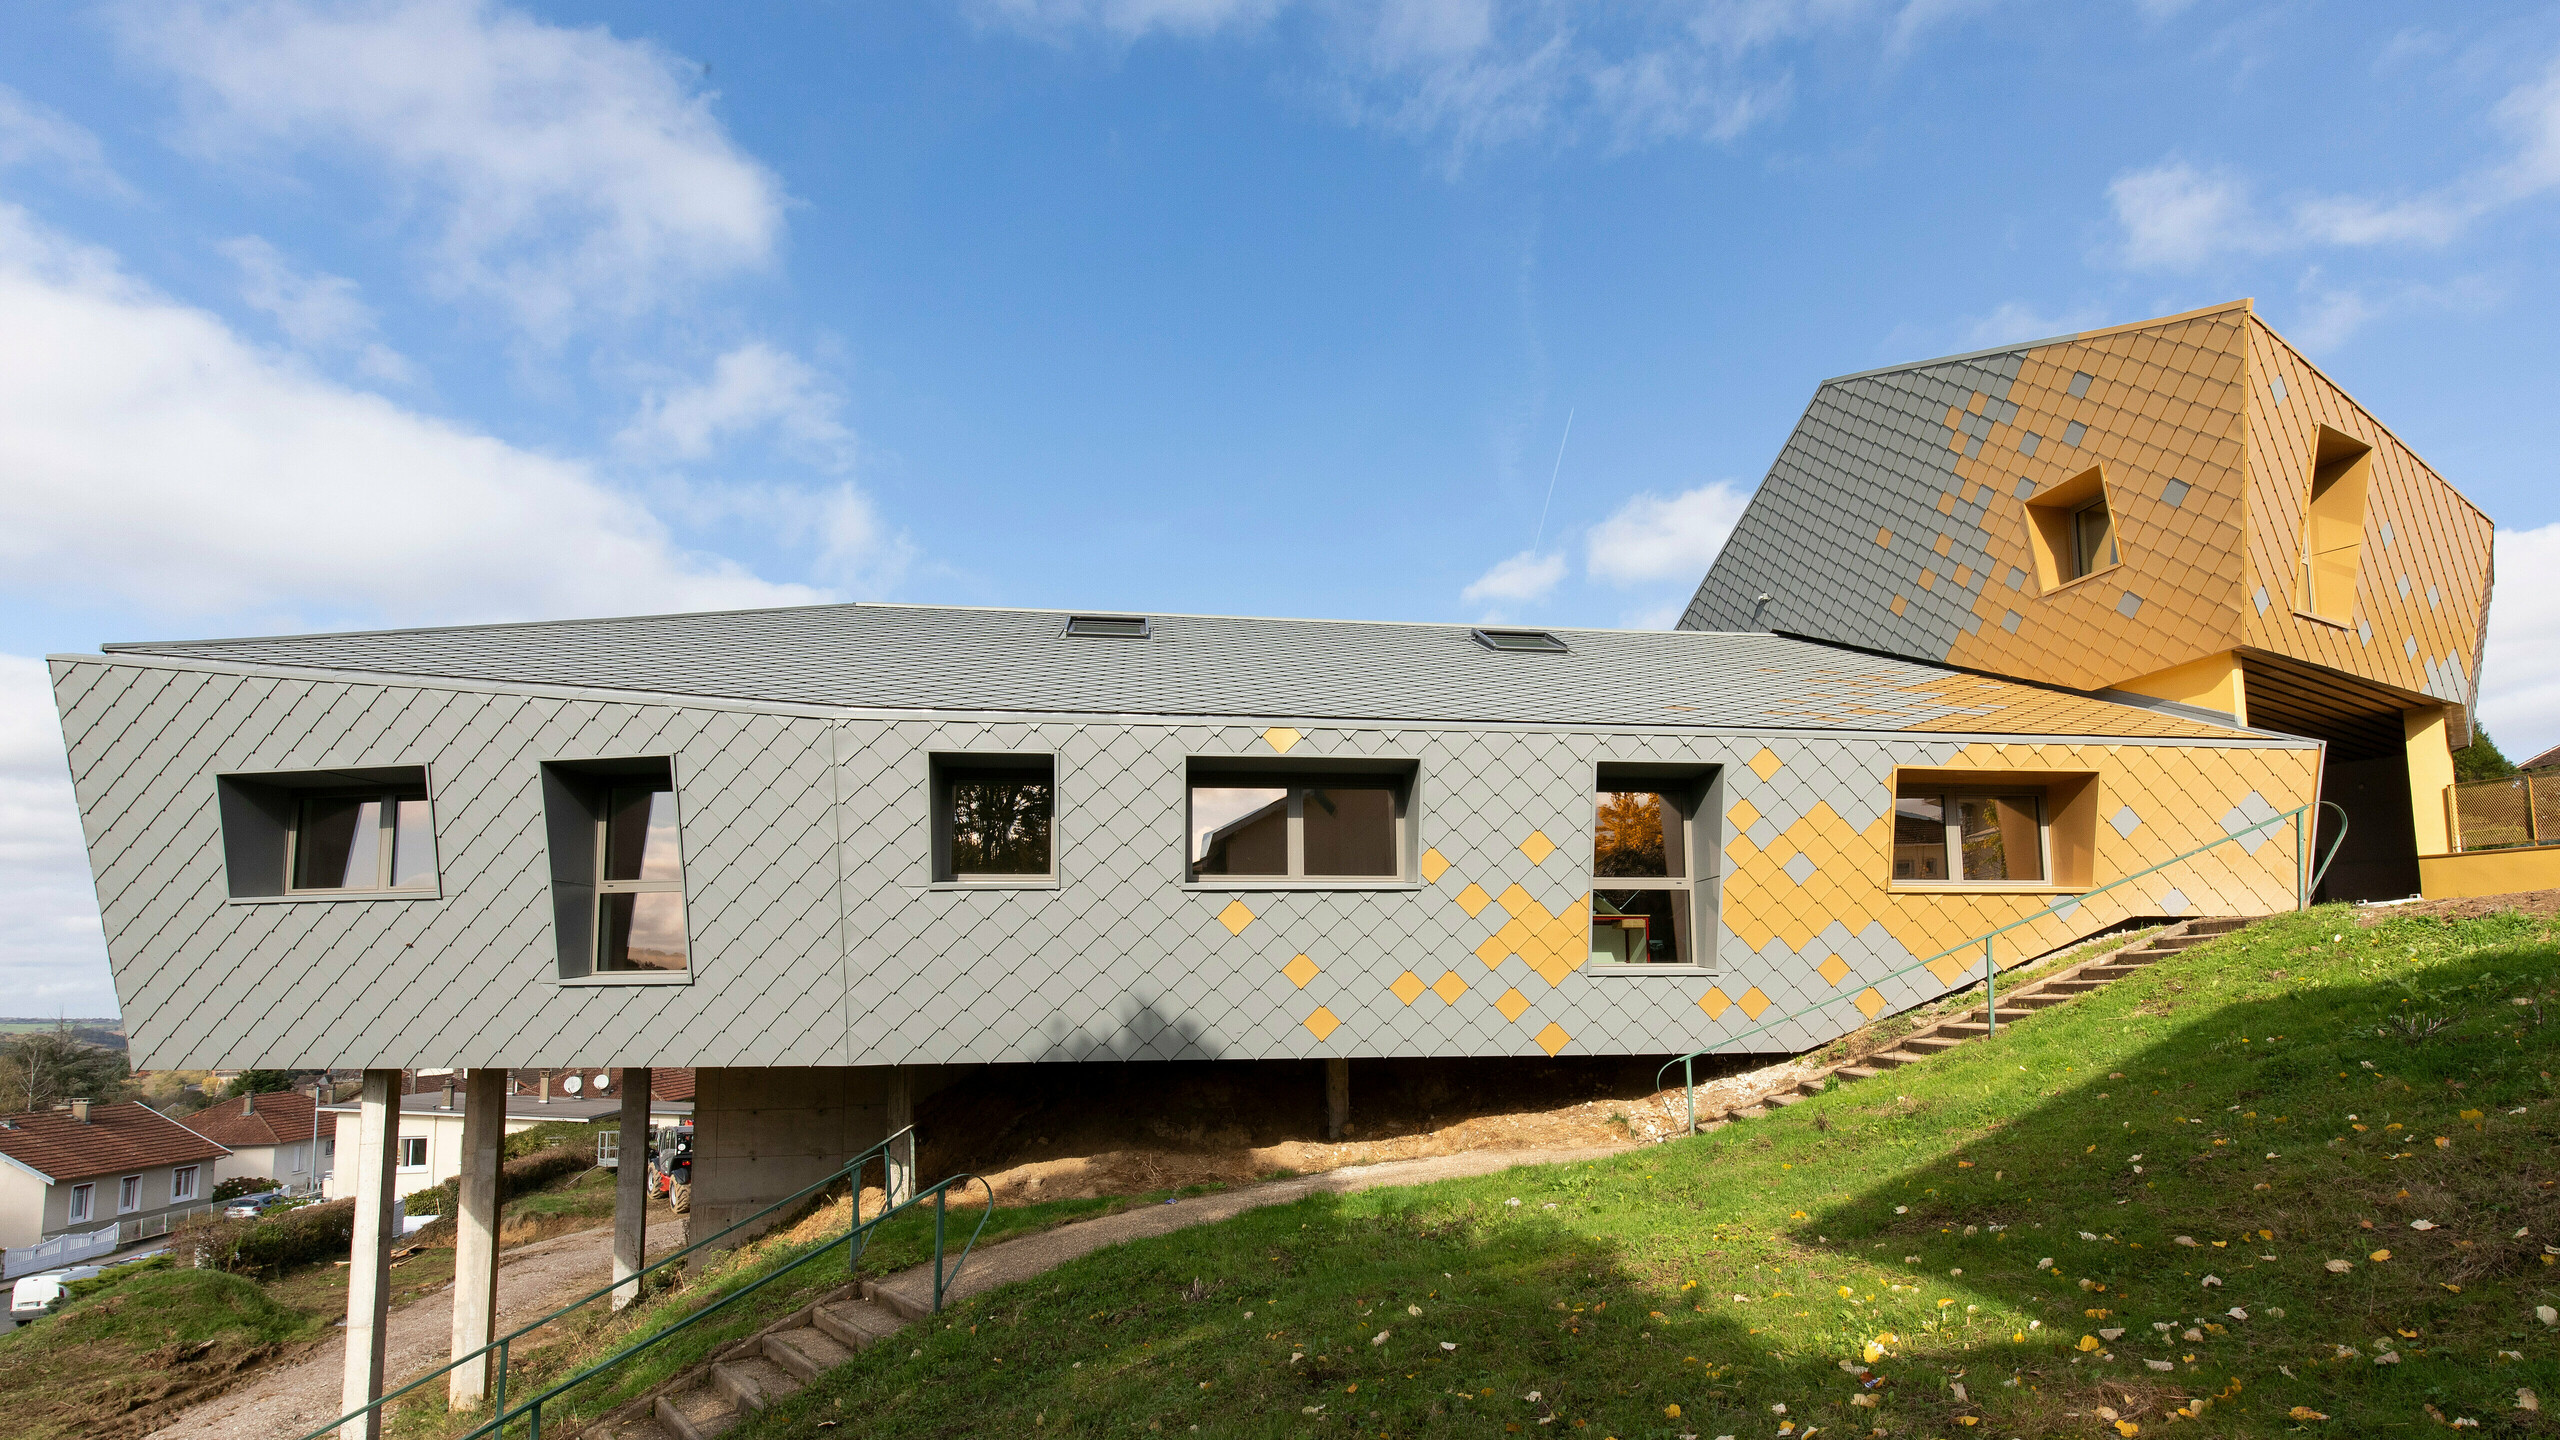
65	1249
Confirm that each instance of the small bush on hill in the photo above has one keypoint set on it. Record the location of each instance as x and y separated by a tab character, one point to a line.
270	1245
239	1185
538	1171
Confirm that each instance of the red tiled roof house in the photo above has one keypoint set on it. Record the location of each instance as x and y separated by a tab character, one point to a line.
80	1168
270	1137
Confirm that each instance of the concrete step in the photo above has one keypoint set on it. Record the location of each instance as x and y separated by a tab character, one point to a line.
1965	1029
1924	1044
807	1352
1895	1059
1748	1112
1860	1071
2039	999
854	1324
2104	973
2217	926
2079	984
2136	957
752	1381
644	1428
1784	1098
697	1412
898	1302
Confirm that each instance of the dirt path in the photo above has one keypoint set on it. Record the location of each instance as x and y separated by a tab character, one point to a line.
1020	1259
300	1397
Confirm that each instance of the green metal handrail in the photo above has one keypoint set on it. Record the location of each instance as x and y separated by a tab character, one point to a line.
1990	968
856	1238
504	1343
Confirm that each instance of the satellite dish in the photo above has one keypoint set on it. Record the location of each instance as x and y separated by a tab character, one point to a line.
571	1084
603	1081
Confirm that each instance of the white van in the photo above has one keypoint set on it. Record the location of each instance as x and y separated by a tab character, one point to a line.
35	1296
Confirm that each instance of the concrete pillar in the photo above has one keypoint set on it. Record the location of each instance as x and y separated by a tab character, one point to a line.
901	1107
1337	1098
369	1272
761	1134
475	1236
631	1187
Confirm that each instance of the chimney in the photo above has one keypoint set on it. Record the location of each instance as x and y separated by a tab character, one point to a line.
80	1111
448	1094
248	1104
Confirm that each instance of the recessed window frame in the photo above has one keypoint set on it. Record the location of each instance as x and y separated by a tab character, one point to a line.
948	767
183	1184
83	1204
128	1194
1695	791
2057	528
411	1145
577	796
2066	828
1109	627
2337	497
262	817
1400	777
1951	834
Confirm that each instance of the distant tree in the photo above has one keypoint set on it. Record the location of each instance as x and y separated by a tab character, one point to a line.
1628	840
40	1069
259	1082
2480	760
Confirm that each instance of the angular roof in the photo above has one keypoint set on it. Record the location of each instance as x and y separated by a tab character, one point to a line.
115	1140
872	656
279	1118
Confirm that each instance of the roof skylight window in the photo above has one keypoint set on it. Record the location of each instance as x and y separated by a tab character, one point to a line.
1540	642
1108	627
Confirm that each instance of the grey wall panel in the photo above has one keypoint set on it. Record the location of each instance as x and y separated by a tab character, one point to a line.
820	939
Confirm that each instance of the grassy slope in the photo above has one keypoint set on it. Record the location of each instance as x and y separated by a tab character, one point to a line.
1902	1219
102	1363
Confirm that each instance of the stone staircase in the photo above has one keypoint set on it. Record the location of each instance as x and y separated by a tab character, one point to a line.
772	1363
2015	1005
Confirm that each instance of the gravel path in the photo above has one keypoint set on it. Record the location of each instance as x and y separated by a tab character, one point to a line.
299	1398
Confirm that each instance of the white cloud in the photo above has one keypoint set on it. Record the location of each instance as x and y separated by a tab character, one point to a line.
1653	538
1467	75
570	170
317	311
2520	676
1525	576
53	958
751	388
2016	320
2176	216
157	462
33	134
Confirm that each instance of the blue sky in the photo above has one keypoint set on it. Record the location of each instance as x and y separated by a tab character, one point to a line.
326	315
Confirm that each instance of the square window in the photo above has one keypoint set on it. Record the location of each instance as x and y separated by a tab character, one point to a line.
182	1184
994	818
1297	825
329	834
2071	530
413	1152
617	868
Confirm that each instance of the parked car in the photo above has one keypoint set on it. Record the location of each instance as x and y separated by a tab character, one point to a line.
36	1296
250	1207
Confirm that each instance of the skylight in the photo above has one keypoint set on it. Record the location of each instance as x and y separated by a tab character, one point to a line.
1533	641
1111	627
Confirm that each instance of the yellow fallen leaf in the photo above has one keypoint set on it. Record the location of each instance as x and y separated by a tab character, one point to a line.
2088	1342
2443	1144
2127	1427
1671	1410
2304	1412
2379	1255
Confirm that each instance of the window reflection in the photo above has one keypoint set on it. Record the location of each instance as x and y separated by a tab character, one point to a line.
1000	825
1240	830
1350	831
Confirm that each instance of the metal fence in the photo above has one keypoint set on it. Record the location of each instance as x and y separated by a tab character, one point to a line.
65	1249
129	1231
2522	809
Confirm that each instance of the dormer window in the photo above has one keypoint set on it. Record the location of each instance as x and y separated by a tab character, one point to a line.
2071	527
2333	526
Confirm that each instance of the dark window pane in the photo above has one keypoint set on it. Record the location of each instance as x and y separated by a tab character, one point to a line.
1920	837
640	932
1640	926
1000	825
1630	838
413	845
1350	832
640	835
1998	836
340	845
1239	830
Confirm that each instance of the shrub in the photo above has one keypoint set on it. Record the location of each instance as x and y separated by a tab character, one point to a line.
239	1185
268	1246
430	1201
553	1134
538	1171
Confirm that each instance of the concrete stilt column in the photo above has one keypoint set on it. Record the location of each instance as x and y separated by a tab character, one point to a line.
369	1273
1337	1098
631	1187
902	1156
475	1238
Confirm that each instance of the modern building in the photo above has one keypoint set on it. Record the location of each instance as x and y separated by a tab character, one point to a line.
284	1136
2060	636
83	1168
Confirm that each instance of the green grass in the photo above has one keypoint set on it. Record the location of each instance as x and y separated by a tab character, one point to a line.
1897	1225
109	1362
